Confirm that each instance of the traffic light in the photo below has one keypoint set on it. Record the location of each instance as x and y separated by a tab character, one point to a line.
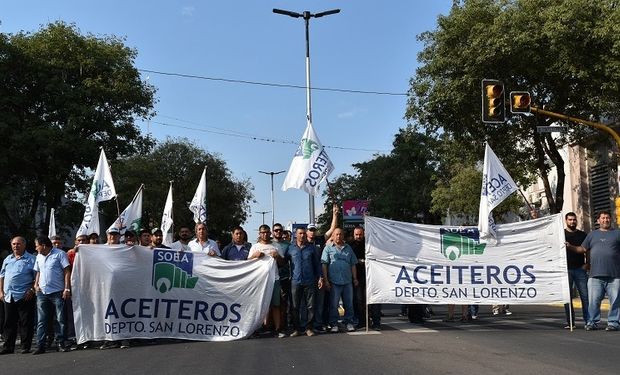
493	101
520	102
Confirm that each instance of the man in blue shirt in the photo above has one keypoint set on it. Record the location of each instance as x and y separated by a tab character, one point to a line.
602	248
340	275
53	287
16	280
238	249
306	271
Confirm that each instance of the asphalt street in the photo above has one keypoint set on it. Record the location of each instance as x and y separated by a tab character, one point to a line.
531	341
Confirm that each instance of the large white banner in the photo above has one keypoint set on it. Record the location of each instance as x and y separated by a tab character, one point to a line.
433	264
122	292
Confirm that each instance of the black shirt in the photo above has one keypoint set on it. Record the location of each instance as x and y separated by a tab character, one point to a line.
575	238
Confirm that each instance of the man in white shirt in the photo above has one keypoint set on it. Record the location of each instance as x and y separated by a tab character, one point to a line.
203	243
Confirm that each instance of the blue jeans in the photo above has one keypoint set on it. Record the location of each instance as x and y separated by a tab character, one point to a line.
48	304
597	287
346	292
579	278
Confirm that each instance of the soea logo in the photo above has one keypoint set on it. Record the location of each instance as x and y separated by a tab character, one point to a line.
306	148
458	241
173	269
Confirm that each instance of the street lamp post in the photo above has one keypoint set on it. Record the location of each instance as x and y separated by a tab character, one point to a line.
273	208
306	15
263	213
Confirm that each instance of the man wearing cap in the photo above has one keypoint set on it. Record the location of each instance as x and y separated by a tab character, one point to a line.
203	243
16	281
157	239
321	312
145	237
130	238
114	236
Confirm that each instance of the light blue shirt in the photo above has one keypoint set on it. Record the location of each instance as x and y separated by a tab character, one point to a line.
339	262
51	269
18	276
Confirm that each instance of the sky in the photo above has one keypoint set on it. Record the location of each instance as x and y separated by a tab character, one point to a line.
368	46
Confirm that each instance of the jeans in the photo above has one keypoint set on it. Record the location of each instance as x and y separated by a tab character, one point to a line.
346	292
321	311
50	305
597	287
305	293
579	278
473	310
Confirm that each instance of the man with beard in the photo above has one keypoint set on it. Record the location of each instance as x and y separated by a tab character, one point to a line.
157	239
577	275
358	244
185	235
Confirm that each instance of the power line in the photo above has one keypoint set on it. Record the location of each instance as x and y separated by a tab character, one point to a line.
225	132
270	84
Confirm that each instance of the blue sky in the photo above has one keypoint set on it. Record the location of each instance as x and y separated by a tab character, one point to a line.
370	46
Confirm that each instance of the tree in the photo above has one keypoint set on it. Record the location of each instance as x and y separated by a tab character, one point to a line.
398	185
564	52
63	95
181	162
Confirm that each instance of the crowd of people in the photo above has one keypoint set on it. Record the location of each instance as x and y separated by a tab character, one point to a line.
315	273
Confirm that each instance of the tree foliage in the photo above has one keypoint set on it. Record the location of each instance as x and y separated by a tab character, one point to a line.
565	52
181	162
63	95
398	185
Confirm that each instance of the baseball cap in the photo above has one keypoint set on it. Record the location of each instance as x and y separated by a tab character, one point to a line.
155	230
130	233
113	231
311	226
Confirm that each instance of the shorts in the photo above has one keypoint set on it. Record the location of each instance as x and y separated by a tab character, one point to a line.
275	296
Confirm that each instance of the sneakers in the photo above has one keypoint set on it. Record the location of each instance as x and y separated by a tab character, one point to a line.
109	345
474	317
40	350
611	328
350	327
310	332
568	326
321	329
495	312
590	327
125	344
281	335
295	334
334	329
508	312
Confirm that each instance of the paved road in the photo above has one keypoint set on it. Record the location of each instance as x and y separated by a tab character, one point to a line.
531	341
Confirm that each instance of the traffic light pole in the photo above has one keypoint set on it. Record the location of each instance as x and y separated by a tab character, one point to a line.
593	124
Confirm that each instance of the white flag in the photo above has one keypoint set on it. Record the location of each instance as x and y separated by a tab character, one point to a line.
166	219
497	185
52	230
131	217
310	165
102	189
198	204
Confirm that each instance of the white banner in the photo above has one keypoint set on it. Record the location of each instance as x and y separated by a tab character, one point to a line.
122	292
131	217
310	165
432	264
497	185
102	189
167	220
198	205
